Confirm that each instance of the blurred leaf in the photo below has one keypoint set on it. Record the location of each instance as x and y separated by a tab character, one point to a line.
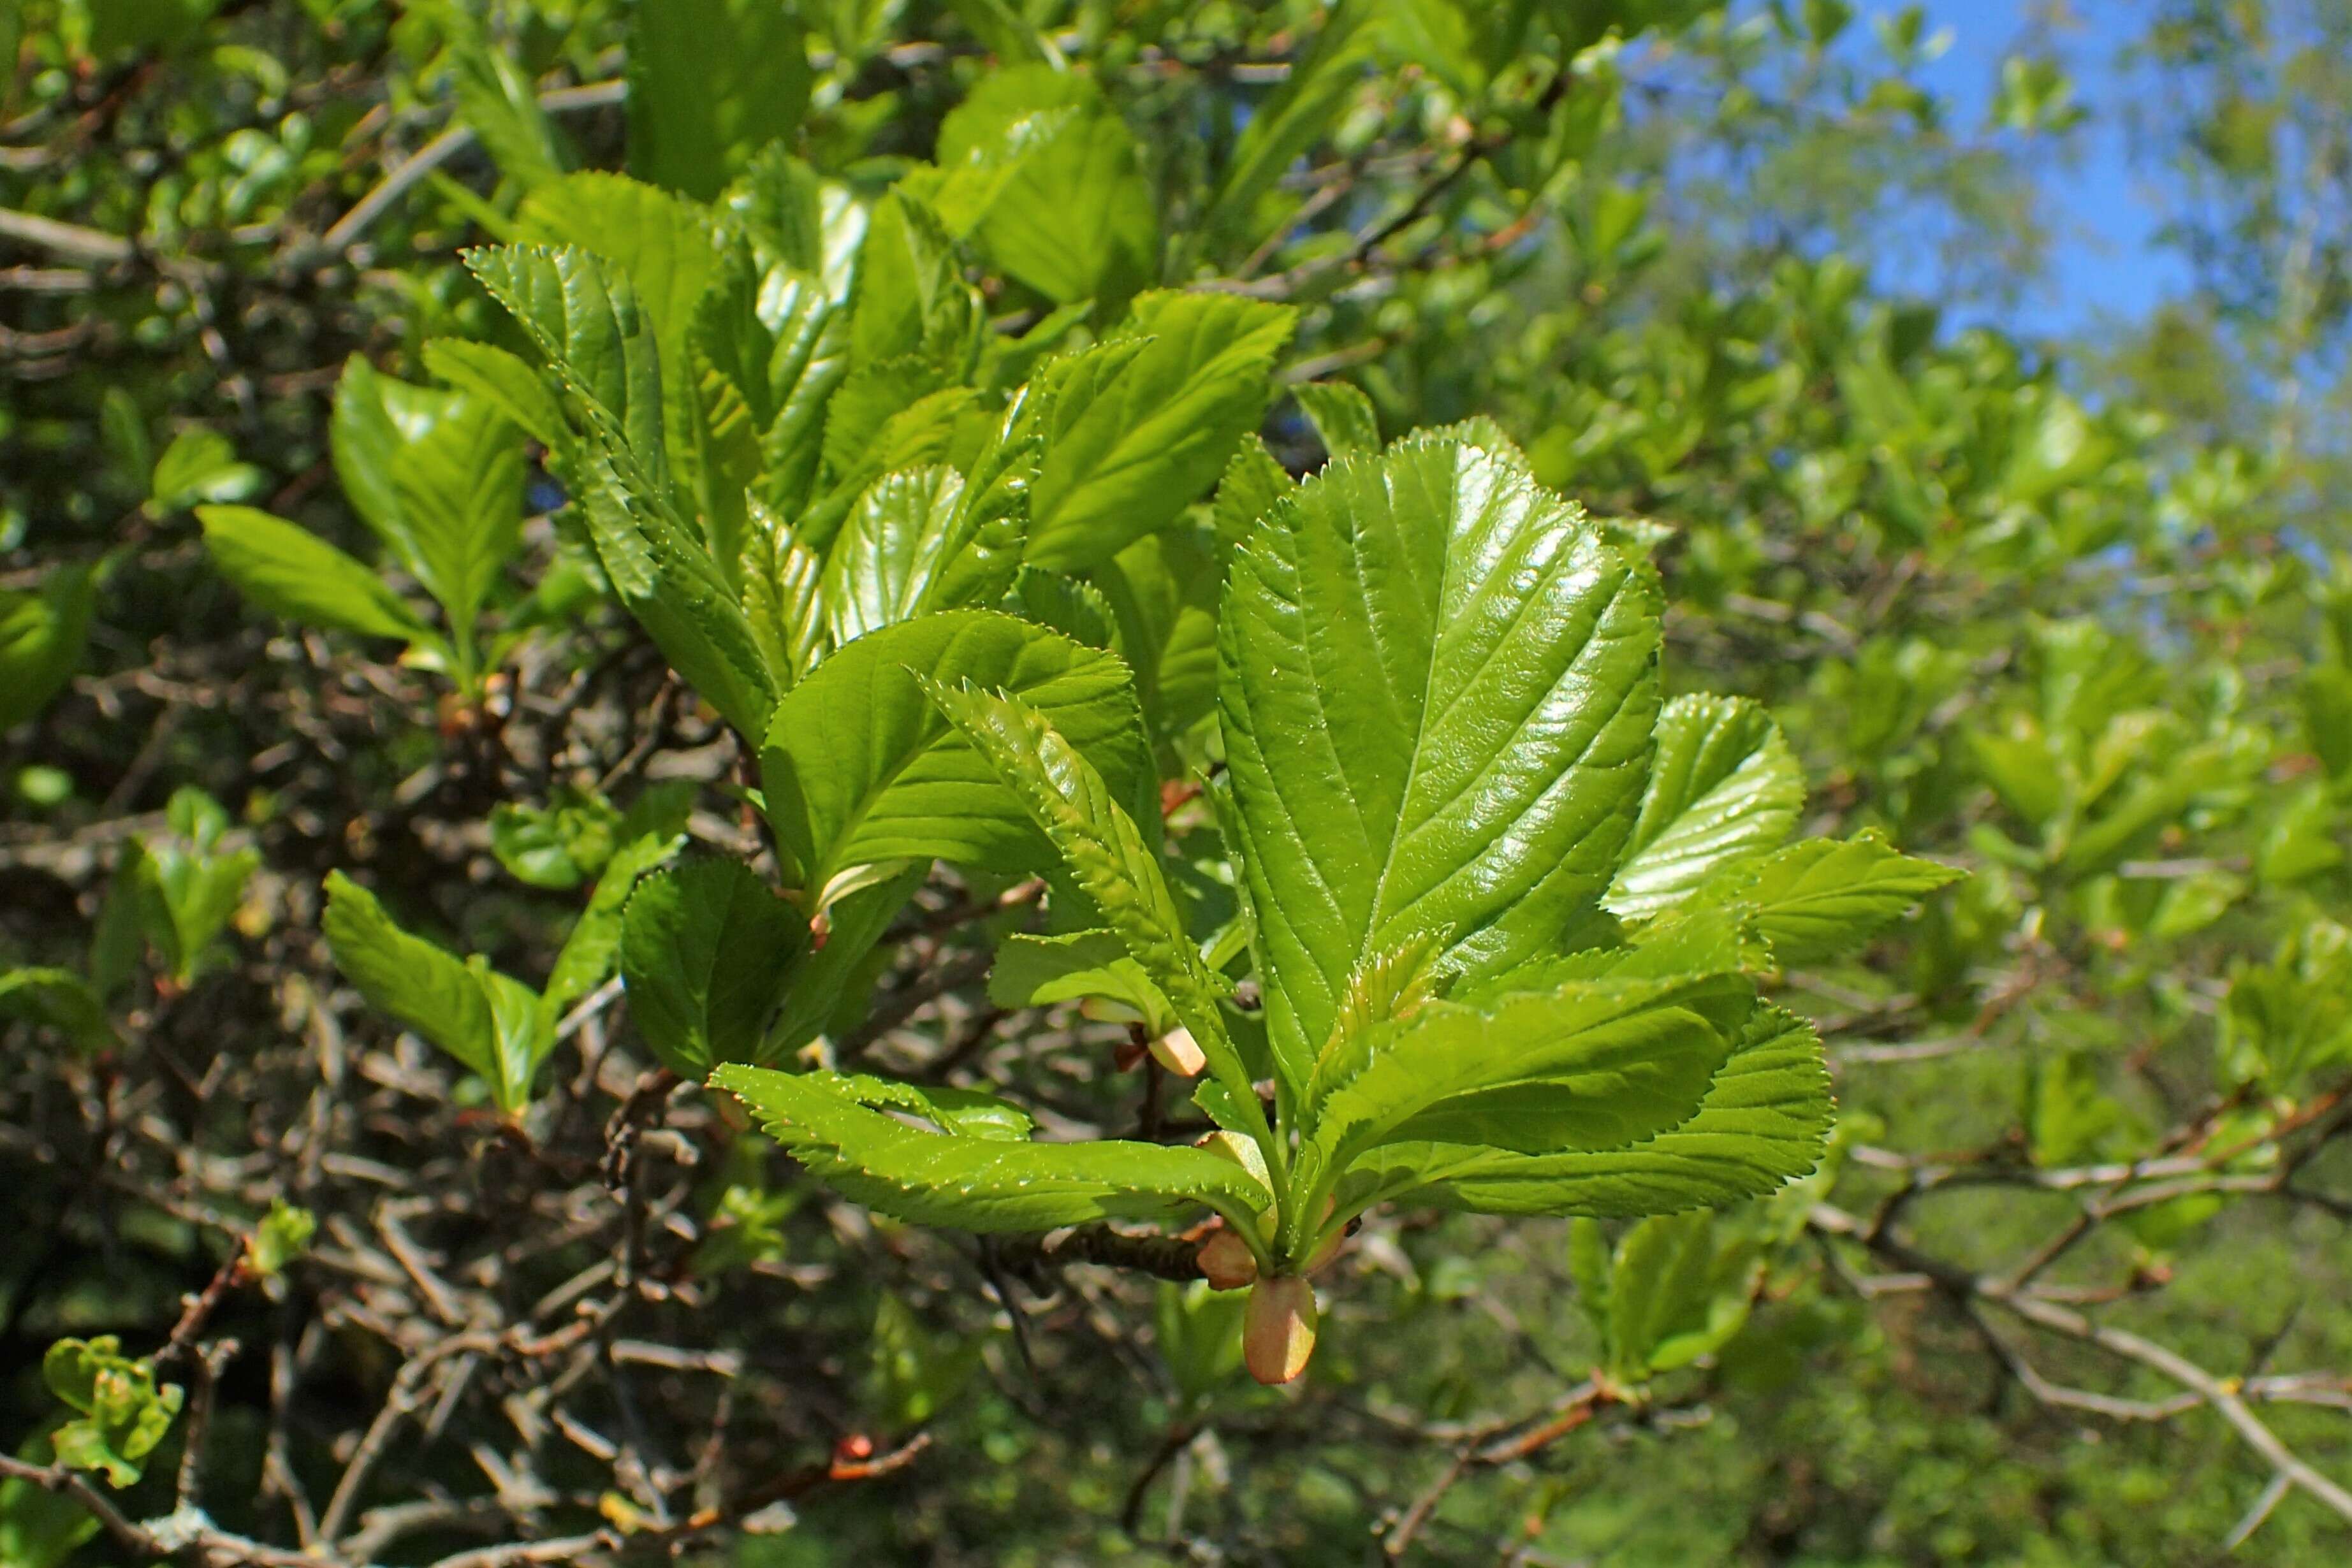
43	634
40	1528
1342	416
919	1373
497	101
560	845
1292	119
2301	840
288	570
1198	1334
710	83
439	478
1046	178
62	1000
122	1414
199	465
283	1236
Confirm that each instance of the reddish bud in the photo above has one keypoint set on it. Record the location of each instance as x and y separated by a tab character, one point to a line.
1226	1261
1278	1329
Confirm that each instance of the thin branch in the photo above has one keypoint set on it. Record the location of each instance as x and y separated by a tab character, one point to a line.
2225	1395
347	229
70	240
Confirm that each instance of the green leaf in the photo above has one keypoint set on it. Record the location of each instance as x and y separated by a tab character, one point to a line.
831	988
1664	1266
61	1000
668	249
2327	715
1136	439
1039	971
964	1112
1053	186
1597	1064
910	296
42	1528
918	1373
2291	1018
559	845
1247	491
890	415
711	82
1342	417
502	381
1588	1265
770	350
439	478
1006	34
673	588
782	206
705	951
1724	789
593	949
523	1032
983	1184
131	917
2023	769
859	768
421	985
1764	1121
2142	809
1079	611
782	581
122	1415
1163	590
199	465
582	313
2301	840
1824	897
910	547
1108	858
1197	1334
287	569
194	889
42	637
283	1235
1437	691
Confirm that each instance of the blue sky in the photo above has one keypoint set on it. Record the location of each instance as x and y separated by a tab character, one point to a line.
2105	209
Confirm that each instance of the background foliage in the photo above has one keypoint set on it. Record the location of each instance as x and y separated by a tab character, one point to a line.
2075	616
